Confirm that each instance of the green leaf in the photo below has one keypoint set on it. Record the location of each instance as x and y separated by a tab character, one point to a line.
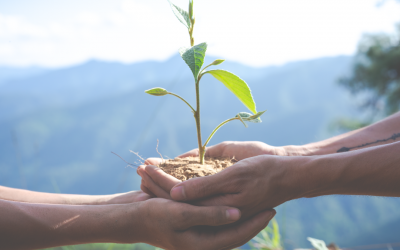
240	118
237	86
251	118
318	244
194	57
157	91
217	62
191	14
182	15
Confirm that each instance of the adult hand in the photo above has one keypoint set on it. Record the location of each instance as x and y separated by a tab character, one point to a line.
174	225
162	183
252	185
239	150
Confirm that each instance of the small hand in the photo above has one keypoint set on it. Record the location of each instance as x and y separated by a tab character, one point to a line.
156	182
174	225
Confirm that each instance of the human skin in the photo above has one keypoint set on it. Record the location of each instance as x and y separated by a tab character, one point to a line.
14	194
159	222
277	175
266	181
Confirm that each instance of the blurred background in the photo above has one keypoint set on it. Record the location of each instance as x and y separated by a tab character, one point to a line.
73	75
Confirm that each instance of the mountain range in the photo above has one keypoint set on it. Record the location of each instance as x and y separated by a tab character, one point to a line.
58	128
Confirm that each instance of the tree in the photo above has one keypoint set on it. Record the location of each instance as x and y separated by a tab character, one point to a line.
376	73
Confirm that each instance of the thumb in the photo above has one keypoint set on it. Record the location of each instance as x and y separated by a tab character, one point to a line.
208	216
198	188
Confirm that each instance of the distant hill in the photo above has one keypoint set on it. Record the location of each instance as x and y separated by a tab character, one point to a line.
58	128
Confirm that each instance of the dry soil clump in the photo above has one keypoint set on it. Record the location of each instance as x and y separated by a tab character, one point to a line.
187	168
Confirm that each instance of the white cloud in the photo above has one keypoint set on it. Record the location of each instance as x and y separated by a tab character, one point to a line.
256	32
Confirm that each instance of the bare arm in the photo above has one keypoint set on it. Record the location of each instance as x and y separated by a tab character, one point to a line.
371	171
13	194
380	133
266	181
36	226
163	223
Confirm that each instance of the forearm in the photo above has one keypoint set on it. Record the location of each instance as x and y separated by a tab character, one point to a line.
371	171
13	194
36	226
380	133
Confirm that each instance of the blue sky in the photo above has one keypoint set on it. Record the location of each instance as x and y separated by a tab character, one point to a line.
255	32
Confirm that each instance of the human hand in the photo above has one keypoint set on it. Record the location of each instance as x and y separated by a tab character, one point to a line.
173	225
163	183
252	185
239	150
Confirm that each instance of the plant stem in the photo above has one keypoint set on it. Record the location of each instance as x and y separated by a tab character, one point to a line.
216	129
197	117
190	106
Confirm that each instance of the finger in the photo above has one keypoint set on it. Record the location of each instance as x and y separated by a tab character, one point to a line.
191	216
146	190
153	161
212	151
141	196
194	152
153	187
162	179
202	187
239	234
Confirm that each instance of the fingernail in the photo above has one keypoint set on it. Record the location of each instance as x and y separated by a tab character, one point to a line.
142	197
271	214
178	193
151	166
233	214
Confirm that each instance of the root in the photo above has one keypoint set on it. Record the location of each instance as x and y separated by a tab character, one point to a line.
162	159
129	164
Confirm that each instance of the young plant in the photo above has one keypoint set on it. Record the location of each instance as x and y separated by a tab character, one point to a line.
194	58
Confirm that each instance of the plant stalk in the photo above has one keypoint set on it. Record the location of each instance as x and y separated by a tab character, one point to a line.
190	106
198	127
216	129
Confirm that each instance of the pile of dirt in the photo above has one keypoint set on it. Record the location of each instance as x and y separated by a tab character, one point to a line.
187	168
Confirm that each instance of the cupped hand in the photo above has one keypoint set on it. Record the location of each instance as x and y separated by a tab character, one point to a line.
162	183
252	185
239	150
174	225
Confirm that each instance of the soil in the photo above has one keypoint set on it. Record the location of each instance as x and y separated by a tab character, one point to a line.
187	168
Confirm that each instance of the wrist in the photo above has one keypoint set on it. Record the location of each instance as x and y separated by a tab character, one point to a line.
319	175
311	149
120	224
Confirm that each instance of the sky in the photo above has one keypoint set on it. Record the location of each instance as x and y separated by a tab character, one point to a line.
60	33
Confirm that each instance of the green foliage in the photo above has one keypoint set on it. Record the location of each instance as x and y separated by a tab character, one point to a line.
157	91
268	239
194	57
376	72
237	86
318	244
182	15
251	118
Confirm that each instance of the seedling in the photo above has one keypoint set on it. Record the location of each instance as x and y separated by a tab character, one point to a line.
194	58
